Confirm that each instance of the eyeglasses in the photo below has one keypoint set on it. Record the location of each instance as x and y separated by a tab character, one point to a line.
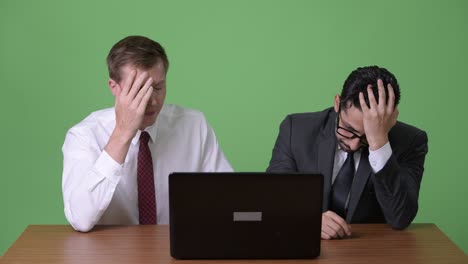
349	134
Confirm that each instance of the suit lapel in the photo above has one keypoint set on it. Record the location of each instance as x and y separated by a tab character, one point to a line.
359	182
326	157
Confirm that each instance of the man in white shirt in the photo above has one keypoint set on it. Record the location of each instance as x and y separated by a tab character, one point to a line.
372	164
101	156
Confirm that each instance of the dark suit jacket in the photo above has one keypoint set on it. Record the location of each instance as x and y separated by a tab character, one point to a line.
307	143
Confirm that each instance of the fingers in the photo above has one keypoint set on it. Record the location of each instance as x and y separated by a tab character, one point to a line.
328	231
334	226
144	101
341	222
391	99
382	95
142	92
383	105
137	85
127	83
370	95
362	102
325	236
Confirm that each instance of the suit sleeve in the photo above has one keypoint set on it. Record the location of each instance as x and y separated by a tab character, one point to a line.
397	184
282	159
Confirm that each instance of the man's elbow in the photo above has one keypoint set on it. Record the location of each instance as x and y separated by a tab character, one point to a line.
79	225
399	225
82	227
401	222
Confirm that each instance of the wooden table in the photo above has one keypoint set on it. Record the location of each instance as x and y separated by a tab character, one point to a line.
371	243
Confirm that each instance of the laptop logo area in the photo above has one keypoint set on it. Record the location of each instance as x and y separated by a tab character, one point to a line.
247	216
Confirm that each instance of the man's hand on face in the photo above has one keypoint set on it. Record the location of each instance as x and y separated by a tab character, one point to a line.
131	100
380	117
333	226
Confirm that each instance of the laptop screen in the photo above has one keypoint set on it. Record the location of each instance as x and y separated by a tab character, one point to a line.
245	215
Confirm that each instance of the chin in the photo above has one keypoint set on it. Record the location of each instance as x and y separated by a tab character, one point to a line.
148	121
344	147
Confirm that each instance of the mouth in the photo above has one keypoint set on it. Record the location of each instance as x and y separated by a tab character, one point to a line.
150	113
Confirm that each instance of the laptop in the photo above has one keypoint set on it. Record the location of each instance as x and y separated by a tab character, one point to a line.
245	215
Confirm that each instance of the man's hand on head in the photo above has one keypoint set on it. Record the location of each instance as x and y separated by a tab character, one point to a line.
333	226
379	117
131	100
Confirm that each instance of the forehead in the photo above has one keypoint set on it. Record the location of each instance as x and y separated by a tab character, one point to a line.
157	72
352	117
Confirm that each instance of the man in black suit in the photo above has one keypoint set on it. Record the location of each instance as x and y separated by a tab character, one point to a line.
372	163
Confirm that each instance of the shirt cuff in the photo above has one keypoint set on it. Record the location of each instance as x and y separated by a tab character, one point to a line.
378	158
109	168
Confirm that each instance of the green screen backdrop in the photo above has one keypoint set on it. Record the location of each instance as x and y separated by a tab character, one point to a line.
246	64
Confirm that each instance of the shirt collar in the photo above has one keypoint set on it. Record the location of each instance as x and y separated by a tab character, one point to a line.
338	148
152	131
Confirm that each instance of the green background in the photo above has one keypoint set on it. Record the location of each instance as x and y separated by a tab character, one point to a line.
246	64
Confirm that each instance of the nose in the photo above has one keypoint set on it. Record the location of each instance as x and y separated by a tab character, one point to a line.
153	100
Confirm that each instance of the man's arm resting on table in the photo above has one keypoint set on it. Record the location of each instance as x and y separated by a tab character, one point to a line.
88	182
397	183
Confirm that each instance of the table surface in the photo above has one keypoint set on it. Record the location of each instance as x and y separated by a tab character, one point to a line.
370	243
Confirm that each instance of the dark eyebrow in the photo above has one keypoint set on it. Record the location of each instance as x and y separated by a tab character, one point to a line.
160	82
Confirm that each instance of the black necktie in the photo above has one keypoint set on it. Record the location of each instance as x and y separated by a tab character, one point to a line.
342	186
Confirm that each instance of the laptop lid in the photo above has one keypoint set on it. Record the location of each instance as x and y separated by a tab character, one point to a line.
245	215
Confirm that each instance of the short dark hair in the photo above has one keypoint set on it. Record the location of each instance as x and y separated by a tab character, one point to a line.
358	80
138	51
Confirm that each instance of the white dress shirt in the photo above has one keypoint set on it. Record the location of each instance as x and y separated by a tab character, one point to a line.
377	160
98	190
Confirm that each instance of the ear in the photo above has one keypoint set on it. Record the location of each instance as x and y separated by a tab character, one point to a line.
337	103
114	87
